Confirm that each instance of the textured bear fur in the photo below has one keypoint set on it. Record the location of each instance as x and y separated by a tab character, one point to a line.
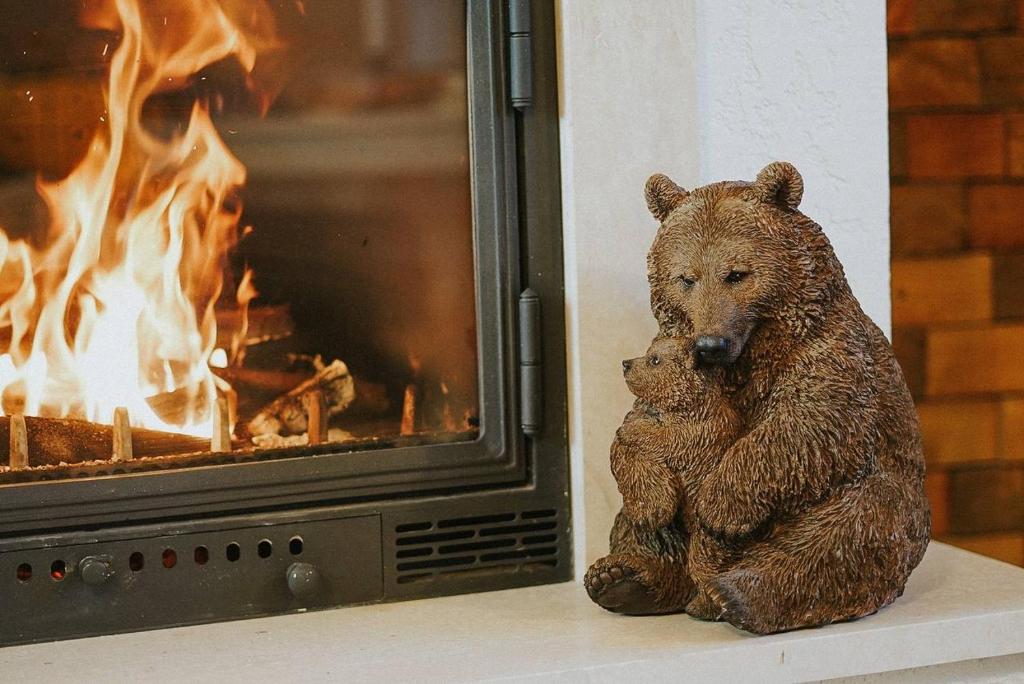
674	436
816	513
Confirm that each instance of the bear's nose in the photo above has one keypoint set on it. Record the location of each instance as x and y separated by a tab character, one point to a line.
712	349
626	365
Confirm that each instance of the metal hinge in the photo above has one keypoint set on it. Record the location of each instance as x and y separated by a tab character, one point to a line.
520	54
530	363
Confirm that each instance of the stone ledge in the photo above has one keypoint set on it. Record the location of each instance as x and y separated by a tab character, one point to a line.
961	613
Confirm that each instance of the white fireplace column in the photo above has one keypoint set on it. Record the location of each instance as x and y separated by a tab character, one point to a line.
702	90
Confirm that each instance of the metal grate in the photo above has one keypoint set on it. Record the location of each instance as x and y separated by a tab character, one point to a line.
485	543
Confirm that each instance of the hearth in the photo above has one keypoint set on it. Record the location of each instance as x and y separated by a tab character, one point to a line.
280	308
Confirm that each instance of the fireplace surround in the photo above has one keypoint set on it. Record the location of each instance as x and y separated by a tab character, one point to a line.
93	546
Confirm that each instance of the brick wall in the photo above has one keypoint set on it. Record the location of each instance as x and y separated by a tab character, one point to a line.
956	117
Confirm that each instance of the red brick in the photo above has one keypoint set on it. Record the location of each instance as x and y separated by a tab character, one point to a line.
996	216
964	15
927	219
936	487
933	72
909	347
1002	69
955	145
942	290
899	17
1011	429
978	360
958	432
1006	546
1008	286
897	146
986	497
1015	143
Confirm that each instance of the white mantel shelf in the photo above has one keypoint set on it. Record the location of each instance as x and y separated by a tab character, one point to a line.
962	617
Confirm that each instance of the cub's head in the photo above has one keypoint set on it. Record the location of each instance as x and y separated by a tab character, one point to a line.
665	377
732	256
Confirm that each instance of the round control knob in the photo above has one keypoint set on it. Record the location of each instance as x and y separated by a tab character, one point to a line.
303	580
95	571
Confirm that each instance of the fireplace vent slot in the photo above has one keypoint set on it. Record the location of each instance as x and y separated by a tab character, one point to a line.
479	544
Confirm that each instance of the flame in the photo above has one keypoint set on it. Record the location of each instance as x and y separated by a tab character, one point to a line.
245	293
118	306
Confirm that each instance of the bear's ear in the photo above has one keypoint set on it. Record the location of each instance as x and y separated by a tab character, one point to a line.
663	195
780	183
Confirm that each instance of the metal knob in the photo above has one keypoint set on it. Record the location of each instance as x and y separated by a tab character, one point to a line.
303	580
95	570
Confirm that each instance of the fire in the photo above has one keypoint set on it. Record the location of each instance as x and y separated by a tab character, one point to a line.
117	307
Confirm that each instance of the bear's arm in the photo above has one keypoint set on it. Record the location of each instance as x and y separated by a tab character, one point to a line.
817	429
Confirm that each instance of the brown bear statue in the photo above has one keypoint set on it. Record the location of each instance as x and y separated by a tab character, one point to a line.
814	511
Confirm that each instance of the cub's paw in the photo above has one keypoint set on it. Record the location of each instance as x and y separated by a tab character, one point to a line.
614	583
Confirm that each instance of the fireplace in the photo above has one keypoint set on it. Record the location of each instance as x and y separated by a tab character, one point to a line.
280	308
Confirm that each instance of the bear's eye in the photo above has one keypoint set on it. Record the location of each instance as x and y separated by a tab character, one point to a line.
736	277
687	281
654	359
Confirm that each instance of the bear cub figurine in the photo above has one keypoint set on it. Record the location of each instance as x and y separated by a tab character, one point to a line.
679	428
676	433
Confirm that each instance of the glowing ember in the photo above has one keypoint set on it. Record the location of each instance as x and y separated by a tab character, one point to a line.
118	306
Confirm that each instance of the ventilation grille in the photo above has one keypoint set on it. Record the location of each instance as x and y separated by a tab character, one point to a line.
480	544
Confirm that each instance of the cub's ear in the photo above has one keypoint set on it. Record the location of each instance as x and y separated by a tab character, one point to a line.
780	183
663	195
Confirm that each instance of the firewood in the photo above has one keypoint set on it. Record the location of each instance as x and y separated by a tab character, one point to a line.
286	415
221	440
265	323
409	411
316	416
278	382
51	441
256	387
18	458
122	436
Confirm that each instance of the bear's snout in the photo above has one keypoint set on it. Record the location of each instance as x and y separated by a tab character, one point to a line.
712	349
626	365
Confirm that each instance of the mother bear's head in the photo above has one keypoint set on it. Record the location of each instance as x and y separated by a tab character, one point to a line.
734	257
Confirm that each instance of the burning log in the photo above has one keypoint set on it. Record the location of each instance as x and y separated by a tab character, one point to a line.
262	324
52	441
287	415
257	380
409	411
257	387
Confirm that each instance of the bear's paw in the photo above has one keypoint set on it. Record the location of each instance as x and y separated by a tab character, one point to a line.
616	584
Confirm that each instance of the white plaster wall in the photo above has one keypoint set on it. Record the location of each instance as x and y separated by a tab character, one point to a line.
703	90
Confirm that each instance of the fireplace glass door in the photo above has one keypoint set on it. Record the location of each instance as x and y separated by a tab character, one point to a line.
249	231
281	308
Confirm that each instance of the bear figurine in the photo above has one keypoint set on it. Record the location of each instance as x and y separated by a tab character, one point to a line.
678	430
676	433
815	512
